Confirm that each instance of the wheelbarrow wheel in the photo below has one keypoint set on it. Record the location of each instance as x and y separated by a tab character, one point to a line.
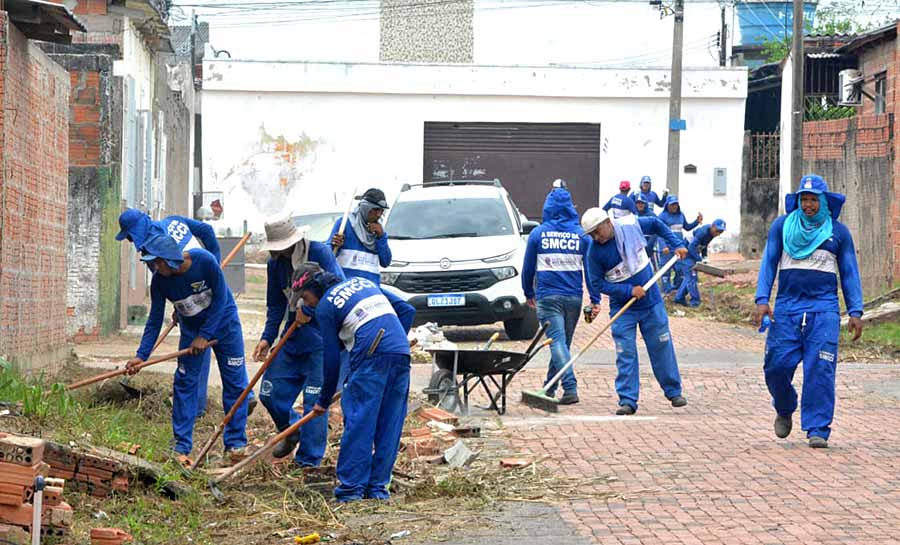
442	388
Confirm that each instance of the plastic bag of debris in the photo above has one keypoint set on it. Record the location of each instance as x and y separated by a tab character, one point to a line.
430	336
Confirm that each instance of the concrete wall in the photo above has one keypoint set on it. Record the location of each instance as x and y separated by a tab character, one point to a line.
95	135
854	156
173	117
362	125
759	207
34	94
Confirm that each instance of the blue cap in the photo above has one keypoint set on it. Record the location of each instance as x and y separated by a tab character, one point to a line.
135	224
162	246
639	197
672	199
645	179
812	183
719	224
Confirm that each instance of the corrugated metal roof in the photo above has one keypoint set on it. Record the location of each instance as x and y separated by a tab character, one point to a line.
887	32
42	20
824	55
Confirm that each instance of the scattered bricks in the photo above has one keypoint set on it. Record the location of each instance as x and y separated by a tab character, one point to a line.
418	433
67	474
53	495
60	516
14	490
471	430
14	534
18	515
423	447
103	464
94	472
439	415
21	475
25	451
120	482
109	536
515	463
10	499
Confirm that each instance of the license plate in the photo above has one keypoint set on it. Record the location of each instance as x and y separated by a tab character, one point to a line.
446	300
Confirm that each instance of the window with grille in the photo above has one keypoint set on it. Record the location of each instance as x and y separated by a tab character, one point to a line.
881	93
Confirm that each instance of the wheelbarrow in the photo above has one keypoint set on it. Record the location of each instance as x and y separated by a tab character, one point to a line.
458	373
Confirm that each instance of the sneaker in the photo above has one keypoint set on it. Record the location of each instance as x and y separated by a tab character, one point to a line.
678	401
568	399
783	425
681	302
818	442
625	410
285	446
235	455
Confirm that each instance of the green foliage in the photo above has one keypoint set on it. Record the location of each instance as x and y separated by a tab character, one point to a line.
39	400
776	50
816	110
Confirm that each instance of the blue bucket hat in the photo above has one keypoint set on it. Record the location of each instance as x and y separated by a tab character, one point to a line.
719	224
135	224
815	184
162	246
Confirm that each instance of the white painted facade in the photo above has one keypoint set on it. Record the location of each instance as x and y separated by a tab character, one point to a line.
506	32
361	125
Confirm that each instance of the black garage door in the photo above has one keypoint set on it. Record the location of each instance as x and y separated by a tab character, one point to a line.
525	157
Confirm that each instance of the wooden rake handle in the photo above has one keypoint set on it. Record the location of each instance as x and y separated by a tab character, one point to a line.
240	400
346	215
117	372
228	259
290	430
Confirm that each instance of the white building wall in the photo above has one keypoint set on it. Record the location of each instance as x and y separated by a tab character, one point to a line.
362	126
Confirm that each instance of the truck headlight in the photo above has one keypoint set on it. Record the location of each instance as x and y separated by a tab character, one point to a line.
502	273
389	278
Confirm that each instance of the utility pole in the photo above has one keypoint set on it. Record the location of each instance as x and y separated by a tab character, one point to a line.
797	105
676	125
723	40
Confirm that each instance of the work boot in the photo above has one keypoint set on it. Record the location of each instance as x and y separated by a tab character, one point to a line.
818	442
678	401
783	425
568	399
625	410
251	406
285	446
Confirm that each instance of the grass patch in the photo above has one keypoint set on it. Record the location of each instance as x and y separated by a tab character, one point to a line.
879	343
722	302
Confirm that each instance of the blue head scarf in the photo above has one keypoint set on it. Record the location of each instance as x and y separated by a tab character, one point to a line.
162	246
802	235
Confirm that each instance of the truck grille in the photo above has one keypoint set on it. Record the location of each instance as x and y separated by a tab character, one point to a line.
445	282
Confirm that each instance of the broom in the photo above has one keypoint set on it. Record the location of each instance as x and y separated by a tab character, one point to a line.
539	399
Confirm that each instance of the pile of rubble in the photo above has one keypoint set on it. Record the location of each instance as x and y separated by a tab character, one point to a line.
22	460
86	473
438	437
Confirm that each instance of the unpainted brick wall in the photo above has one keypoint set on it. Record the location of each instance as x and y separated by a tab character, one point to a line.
34	92
854	156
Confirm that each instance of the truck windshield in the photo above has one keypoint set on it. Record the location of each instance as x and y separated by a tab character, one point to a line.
448	218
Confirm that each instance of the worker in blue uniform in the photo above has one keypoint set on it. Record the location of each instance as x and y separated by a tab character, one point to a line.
195	284
643	210
298	367
650	196
702	237
373	326
618	266
674	218
136	226
809	249
621	204
552	275
363	248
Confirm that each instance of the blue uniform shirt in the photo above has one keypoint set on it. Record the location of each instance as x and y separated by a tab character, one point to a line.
357	260
187	233
652	199
350	314
810	285
603	260
306	338
677	222
556	252
201	297
622	202
702	237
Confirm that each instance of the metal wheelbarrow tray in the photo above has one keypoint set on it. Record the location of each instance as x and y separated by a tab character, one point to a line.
457	373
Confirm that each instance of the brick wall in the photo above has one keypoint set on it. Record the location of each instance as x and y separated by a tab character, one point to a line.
854	156
34	92
91	7
881	58
94	188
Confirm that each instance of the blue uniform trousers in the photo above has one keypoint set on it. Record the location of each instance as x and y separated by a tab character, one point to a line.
562	312
654	325
203	384
688	286
811	338
282	382
374	407
230	358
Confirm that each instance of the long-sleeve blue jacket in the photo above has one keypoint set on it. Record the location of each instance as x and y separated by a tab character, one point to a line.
603	260
810	285
306	338
201	298
555	256
350	314
622	202
357	260
183	230
702	237
677	222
